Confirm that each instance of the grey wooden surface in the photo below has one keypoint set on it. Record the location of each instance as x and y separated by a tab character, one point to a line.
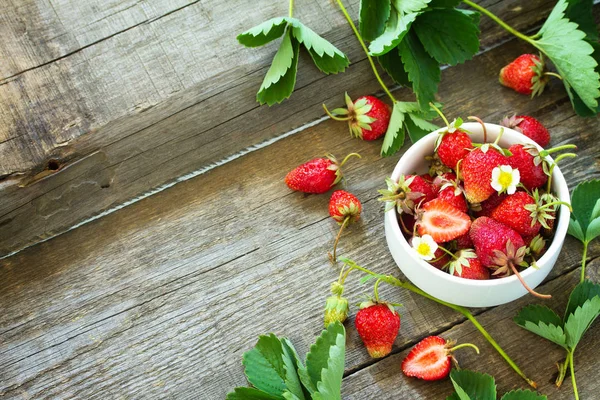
123	97
161	298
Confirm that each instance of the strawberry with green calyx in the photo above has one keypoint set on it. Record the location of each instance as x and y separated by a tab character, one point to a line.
345	208
368	117
522	213
431	359
500	248
528	126
336	306
400	195
526	75
466	265
377	324
453	144
451	191
317	175
532	164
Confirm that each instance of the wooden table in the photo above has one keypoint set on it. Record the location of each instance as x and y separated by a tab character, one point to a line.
148	237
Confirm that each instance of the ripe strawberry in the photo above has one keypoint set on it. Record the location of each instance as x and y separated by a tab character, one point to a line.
368	117
474	270
420	185
526	158
454	147
377	325
476	171
528	126
400	194
431	359
464	242
486	207
449	195
345	208
441	258
514	213
407	223
442	221
317	175
500	248
525	75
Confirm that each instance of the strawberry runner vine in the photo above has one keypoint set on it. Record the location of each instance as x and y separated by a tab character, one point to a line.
411	40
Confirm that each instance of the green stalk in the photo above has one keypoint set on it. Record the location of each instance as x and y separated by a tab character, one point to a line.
583	260
500	22
407	285
572	368
291	8
364	46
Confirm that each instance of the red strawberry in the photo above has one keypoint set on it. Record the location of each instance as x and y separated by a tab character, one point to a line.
464	241
407	223
500	248
490	204
527	160
442	221
368	117
454	147
317	175
440	259
431	359
514	212
420	185
377	325
449	194
525	75
476	171
530	127
471	268
345	208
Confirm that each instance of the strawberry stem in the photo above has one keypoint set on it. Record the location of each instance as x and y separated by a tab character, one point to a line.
473	118
334	117
559	158
572	368
562	372
460	346
554	203
409	286
337	239
291	9
437	110
366	50
553	74
448	252
348	156
376	290
544	152
404	228
583	260
499	136
530	290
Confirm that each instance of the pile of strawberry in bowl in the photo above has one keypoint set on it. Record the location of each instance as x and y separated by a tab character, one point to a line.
476	213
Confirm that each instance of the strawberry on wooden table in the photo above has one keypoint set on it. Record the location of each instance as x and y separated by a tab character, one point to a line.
345	208
317	175
525	75
377	325
431	359
368	117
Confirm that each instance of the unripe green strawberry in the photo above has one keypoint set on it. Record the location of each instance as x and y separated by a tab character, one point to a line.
336	306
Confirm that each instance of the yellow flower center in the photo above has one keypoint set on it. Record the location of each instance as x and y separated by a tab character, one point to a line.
505	179
424	249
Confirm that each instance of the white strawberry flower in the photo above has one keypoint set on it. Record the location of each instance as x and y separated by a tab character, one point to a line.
505	179
424	246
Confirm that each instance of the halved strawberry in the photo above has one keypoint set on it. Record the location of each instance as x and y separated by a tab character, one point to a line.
431	359
442	221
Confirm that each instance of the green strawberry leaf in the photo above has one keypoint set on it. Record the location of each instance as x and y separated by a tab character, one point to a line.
423	71
394	136
263	33
291	352
395	29
270	369
246	393
409	6
418	127
326	56
450	36
580	320
373	16
543	322
523	395
585	219
565	45
580	12
472	385
583	292
280	79
444	3
330	384
325	361
392	64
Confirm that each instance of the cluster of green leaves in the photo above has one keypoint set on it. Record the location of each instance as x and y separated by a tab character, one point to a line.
275	370
280	79
585	219
582	309
412	40
469	385
569	38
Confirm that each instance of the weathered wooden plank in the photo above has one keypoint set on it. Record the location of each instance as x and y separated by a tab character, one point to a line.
161	297
142	88
535	356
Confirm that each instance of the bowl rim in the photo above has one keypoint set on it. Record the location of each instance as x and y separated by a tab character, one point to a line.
561	226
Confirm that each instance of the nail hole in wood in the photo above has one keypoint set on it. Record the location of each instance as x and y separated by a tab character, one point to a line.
53	165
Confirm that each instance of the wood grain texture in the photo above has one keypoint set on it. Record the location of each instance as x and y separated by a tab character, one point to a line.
158	299
137	104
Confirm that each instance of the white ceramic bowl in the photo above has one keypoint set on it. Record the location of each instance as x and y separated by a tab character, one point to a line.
461	291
